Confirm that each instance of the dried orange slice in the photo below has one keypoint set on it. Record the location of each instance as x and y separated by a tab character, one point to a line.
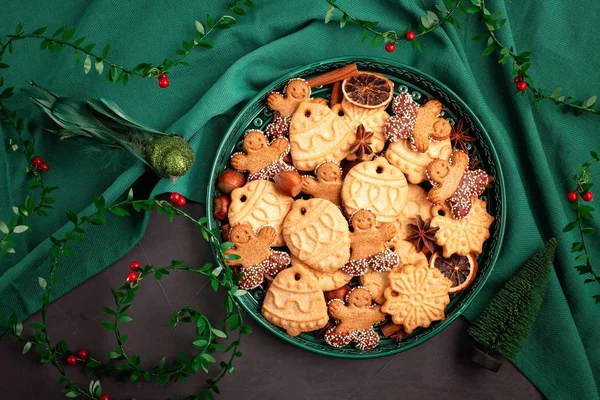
461	270
368	90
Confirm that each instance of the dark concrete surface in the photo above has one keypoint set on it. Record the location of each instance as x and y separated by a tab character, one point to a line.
269	369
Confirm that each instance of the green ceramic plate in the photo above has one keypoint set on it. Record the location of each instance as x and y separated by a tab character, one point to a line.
422	87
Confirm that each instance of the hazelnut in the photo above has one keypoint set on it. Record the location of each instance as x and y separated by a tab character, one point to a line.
338	293
288	183
221	206
230	179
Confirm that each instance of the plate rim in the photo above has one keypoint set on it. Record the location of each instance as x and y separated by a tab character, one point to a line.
499	179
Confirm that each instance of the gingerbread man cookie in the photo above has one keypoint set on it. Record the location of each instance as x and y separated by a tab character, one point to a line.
419	124
355	320
367	245
262	160
256	256
296	91
327	185
453	181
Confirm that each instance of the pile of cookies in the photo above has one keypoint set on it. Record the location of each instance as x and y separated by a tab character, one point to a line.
375	218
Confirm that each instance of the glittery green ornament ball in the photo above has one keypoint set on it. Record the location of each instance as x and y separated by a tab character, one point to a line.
169	155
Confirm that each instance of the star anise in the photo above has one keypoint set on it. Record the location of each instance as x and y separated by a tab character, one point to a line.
362	145
422	234
459	137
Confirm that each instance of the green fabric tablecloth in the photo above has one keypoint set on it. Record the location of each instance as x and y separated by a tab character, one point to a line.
539	147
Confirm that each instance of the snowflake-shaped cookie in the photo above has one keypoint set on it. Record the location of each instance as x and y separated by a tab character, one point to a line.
416	297
462	236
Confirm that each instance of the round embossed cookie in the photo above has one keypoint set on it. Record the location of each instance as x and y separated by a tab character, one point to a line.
413	163
417	296
295	302
373	119
318	134
378	186
317	234
259	203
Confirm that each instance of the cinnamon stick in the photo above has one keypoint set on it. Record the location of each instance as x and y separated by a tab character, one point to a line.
336	94
389	328
333	76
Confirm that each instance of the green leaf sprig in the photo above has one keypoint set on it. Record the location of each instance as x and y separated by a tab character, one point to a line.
64	37
493	21
583	183
209	338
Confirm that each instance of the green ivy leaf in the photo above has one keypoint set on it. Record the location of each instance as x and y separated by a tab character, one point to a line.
570	226
72	393
26	348
42	282
3	227
125	319
218	333
329	14
20	228
200	343
87	64
208	358
239	11
99	65
591	101
343	21
199	27
106	51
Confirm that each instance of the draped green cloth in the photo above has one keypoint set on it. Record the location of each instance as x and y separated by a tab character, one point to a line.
539	147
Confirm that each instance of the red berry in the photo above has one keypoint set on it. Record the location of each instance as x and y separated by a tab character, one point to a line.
522	86
518	79
410	35
175	197
572	196
132	277
71	360
181	201
37	161
587	196
163	82
83	354
135	265
43	167
104	397
390	47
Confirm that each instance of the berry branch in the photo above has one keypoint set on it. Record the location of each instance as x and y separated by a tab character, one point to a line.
583	184
120	363
18	223
429	22
493	22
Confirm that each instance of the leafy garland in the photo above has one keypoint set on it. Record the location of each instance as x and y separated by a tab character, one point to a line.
492	21
583	184
63	37
208	337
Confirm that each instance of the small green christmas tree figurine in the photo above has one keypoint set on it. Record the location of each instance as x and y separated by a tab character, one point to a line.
504	325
